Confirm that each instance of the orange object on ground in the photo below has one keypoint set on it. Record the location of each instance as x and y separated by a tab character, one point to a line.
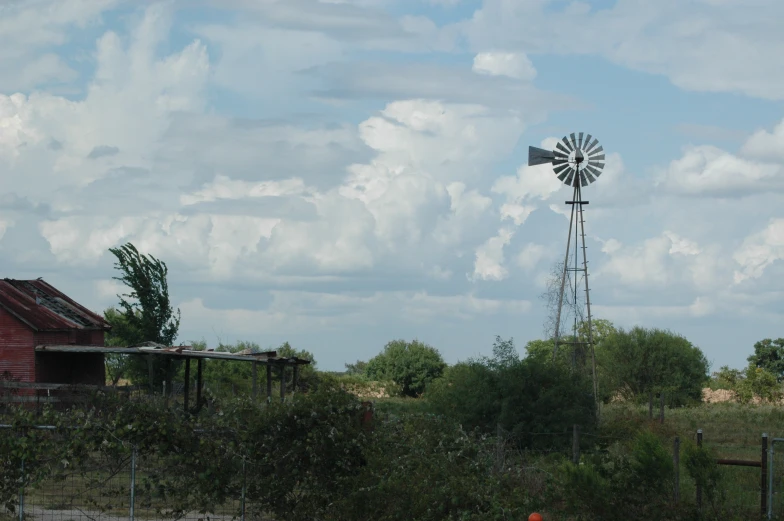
535	517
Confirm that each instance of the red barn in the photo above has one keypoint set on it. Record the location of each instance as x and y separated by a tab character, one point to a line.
33	313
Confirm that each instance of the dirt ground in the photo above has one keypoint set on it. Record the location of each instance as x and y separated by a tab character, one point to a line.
724	395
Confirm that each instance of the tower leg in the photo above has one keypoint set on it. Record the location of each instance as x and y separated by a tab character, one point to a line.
588	306
563	278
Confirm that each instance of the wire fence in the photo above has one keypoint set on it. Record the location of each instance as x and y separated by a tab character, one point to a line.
121	482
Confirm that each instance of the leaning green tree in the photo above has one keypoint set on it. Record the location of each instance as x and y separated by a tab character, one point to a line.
145	313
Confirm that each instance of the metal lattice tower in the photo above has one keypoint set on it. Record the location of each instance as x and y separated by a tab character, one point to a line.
577	162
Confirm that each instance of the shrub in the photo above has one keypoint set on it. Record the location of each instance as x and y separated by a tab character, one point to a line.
641	362
700	463
411	365
525	397
757	382
428	468
629	481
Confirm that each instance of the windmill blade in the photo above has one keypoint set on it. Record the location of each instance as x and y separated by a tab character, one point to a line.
562	148
565	141
600	157
569	178
560	155
573	140
557	162
580	140
596	151
600	166
590	146
539	156
587	174
583	179
561	168
595	171
586	143
563	175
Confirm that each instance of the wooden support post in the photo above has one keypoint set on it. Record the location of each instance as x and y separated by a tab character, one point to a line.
168	376
151	374
296	379
576	444
699	486
499	448
269	383
199	374
676	465
764	477
255	379
650	405
186	389
282	382
661	407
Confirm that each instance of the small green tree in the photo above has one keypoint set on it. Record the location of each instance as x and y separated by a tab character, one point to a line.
769	355
358	368
411	365
726	378
757	382
641	362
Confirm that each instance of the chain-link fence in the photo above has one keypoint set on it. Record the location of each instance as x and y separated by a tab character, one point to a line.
113	482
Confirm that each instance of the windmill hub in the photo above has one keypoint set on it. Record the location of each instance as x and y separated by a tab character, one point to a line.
577	159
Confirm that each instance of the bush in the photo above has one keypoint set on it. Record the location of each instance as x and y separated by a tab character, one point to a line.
757	382
411	365
429	469
700	463
525	397
640	362
632	481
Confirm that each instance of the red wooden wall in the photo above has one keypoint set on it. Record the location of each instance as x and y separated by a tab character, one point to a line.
17	355
19	361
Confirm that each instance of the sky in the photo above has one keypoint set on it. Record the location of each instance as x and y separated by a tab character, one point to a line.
342	173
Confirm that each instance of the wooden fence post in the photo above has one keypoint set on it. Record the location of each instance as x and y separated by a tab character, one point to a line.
676	465
576	444
699	486
763	476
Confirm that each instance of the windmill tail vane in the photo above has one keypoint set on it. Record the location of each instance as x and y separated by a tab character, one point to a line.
577	160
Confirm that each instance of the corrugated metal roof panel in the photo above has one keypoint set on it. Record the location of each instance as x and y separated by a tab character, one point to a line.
44	308
269	357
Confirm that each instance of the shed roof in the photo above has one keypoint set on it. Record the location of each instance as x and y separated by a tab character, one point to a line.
267	357
44	308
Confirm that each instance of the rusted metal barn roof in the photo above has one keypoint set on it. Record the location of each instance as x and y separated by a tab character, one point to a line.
44	308
268	357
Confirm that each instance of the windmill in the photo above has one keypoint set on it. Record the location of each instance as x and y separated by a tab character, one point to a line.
577	161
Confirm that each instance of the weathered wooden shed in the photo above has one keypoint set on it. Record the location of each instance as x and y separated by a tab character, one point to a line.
34	313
